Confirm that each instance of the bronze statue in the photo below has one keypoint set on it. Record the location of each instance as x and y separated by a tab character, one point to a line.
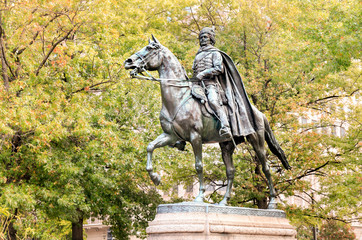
184	117
208	66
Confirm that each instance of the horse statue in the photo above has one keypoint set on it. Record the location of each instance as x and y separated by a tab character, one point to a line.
183	118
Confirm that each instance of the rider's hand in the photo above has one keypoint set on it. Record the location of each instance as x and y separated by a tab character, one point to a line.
199	76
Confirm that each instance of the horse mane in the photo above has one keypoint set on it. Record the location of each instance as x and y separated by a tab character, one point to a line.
171	55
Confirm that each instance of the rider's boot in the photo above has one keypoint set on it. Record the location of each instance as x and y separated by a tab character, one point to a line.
216	104
225	127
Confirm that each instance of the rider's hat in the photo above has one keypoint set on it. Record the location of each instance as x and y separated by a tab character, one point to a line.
210	31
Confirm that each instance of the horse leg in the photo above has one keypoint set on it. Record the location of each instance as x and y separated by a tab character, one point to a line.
227	150
257	141
196	143
161	141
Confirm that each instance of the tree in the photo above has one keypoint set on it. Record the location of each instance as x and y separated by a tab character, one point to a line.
65	152
299	60
74	127
334	230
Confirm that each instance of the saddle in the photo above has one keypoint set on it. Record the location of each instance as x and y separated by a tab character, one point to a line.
198	93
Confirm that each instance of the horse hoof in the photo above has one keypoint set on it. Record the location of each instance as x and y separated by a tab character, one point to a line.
156	179
272	204
223	203
199	199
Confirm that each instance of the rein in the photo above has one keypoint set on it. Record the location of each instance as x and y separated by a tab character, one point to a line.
181	83
186	82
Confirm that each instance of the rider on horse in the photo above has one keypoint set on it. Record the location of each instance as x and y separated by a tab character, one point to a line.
183	119
216	73
207	66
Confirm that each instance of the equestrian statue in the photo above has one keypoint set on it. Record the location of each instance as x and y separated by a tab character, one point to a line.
210	107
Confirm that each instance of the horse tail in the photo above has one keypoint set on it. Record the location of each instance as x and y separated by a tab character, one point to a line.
274	145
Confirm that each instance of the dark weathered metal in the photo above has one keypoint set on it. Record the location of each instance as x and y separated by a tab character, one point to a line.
182	117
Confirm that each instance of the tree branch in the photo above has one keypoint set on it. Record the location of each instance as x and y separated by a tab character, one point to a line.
317	109
332	218
155	14
52	49
209	14
306	173
91	86
318	126
333	97
2	55
193	17
18	52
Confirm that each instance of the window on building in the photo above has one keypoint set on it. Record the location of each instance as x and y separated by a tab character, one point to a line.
325	130
210	188
343	131
334	130
303	121
175	189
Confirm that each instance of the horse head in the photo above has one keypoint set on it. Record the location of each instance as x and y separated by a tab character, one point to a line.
148	58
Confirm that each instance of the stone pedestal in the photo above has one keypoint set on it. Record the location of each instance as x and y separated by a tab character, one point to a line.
192	221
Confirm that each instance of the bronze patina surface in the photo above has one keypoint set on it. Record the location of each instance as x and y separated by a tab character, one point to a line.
183	117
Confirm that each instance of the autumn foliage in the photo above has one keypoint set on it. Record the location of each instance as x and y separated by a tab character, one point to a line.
74	126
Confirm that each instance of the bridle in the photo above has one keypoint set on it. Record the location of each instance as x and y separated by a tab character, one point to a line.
138	71
142	67
158	48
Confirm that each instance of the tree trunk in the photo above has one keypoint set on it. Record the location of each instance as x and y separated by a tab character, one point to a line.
11	231
77	230
315	233
2	56
246	63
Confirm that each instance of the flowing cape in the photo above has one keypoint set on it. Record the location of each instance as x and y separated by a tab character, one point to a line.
240	111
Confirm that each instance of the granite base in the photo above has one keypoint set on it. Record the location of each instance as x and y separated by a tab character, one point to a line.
199	221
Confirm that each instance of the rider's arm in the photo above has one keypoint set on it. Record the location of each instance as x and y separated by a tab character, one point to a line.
217	68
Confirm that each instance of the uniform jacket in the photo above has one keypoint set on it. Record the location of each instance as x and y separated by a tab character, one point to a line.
240	111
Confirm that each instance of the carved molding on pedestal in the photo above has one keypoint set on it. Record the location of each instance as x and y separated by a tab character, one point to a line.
195	221
210	208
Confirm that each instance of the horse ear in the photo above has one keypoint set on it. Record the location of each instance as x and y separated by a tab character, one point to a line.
154	39
149	40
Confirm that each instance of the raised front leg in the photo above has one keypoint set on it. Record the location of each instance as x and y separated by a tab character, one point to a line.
257	141
227	150
197	148
163	140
